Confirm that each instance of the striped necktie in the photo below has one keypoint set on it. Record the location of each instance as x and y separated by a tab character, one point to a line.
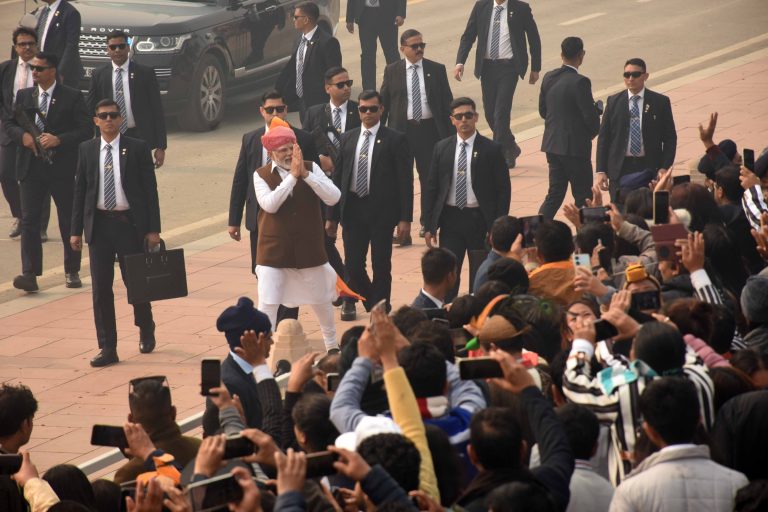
41	22
635	133
300	67
361	184
110	197
496	32
120	99
461	178
416	93
337	126
43	111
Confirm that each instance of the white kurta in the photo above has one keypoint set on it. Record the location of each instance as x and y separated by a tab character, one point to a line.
292	286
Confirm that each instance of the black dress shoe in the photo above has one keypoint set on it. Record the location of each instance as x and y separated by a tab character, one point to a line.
26	282
511	155
15	229
147	340
105	357
72	280
348	312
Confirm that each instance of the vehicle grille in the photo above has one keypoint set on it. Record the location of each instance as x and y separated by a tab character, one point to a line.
92	45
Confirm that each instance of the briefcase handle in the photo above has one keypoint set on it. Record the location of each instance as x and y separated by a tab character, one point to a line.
149	253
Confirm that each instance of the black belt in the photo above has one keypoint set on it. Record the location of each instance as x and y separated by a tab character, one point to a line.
121	215
499	61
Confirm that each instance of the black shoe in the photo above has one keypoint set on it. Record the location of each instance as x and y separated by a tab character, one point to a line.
422	232
405	242
15	229
72	280
511	155
26	282
105	357
147	340
338	302
43	237
348	312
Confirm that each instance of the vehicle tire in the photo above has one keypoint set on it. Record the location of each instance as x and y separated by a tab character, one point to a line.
205	108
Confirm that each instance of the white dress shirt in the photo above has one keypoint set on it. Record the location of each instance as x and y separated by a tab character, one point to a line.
371	143
342	115
471	198
271	200
40	92
126	91
308	36
640	105
51	15
19	82
505	44
122	201
426	113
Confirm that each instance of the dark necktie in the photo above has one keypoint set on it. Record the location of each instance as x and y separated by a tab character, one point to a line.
496	32
110	197
300	67
635	133
120	99
416	93
41	25
361	184
337	126
43	111
461	177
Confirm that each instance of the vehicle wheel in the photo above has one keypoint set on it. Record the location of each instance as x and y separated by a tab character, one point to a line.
206	102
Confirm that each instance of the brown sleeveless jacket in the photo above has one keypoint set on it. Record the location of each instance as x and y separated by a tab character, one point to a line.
294	236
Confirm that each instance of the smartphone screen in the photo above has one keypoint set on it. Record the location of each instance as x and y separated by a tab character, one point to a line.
107	435
749	159
677	180
214	493
238	446
332	380
645	301
529	226
594	214
604	330
479	368
661	207
321	464
582	260
210	375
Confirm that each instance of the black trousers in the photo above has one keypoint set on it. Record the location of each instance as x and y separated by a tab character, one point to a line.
422	138
282	311
363	228
373	26
461	230
40	181
564	170
498	84
8	179
113	235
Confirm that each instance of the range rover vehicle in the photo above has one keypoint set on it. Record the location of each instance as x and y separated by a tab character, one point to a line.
202	51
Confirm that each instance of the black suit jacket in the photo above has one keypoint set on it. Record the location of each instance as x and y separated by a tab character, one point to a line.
658	126
394	95
490	180
146	107
319	118
243	193
571	119
67	118
7	78
262	404
137	176
391	179
423	302
63	39
322	53
521	26
389	9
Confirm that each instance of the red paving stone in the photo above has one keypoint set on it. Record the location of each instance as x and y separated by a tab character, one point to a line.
48	346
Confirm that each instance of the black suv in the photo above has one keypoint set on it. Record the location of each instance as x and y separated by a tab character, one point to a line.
201	50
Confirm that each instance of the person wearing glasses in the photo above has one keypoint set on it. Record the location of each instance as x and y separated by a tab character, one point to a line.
117	207
468	188
253	155
301	80
135	89
374	172
14	75
637	140
417	97
58	32
59	112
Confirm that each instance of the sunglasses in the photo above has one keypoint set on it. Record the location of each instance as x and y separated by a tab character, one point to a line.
365	110
27	44
633	74
417	46
118	46
39	68
464	115
111	115
271	110
341	85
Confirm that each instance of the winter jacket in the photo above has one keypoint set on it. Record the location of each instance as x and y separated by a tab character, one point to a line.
738	439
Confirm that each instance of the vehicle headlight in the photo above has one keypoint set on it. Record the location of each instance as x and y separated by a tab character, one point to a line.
160	44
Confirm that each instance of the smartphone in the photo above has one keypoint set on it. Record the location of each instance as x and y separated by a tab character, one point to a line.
529	225
749	159
10	463
594	214
605	330
644	301
665	236
479	368
677	180
321	464
441	321
582	260
210	376
332	381
459	337
661	207
238	446
107	435
379	306
214	493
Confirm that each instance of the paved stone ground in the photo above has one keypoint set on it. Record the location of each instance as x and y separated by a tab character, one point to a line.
47	339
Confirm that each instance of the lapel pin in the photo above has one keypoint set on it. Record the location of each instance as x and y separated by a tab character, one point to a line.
474	155
56	13
53	101
124	151
428	75
647	107
131	75
378	141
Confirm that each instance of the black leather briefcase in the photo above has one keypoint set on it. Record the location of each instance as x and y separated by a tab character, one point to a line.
151	276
